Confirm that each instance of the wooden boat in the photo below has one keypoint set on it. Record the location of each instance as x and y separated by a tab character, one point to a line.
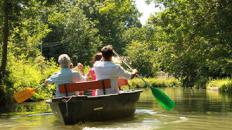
73	109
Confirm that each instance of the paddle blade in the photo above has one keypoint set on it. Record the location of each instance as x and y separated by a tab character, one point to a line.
163	99
23	95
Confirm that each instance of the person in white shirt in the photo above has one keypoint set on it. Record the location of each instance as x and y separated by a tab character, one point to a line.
65	75
106	69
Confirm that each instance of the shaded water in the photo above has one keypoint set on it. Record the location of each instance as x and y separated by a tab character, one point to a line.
195	110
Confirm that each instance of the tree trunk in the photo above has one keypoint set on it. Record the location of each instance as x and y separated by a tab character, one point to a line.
5	99
5	37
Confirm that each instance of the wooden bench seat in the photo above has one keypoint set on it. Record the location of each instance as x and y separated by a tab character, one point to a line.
85	85
89	85
122	82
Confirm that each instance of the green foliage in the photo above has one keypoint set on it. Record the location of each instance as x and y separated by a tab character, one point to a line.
26	67
227	88
81	38
30	73
31	108
192	39
218	82
142	58
29	29
114	19
78	28
141	34
1	20
82	27
141	52
157	82
189	39
223	85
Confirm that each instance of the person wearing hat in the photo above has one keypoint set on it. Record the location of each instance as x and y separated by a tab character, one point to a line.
106	69
65	75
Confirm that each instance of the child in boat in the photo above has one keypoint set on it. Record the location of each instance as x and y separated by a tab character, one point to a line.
91	74
65	75
106	69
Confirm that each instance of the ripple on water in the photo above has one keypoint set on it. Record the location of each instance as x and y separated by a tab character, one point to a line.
121	128
145	111
194	111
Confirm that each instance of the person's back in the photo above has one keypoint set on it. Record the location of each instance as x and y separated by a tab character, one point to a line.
106	69
65	75
109	70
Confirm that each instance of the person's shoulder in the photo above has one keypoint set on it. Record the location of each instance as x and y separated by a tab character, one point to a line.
75	72
97	63
118	66
114	64
56	73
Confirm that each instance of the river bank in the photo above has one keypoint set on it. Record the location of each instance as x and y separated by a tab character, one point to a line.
221	85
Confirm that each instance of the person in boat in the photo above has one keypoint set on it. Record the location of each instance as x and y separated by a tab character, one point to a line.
106	69
79	68
65	75
91	74
71	66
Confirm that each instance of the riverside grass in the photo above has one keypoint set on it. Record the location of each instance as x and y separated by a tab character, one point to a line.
223	85
158	82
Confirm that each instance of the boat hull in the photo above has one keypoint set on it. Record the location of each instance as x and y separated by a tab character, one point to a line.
71	110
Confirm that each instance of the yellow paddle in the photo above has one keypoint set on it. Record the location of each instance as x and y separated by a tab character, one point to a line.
25	94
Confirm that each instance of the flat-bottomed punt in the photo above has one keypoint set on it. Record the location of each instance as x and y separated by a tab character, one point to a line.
74	109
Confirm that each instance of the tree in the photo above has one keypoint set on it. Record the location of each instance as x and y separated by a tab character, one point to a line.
6	6
193	39
105	20
81	38
142	57
140	50
116	17
6	12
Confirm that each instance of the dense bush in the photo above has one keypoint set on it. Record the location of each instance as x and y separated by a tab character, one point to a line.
142	58
223	85
227	88
30	73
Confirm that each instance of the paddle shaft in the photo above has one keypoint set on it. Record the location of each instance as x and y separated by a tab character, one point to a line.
162	98
129	66
39	86
122	60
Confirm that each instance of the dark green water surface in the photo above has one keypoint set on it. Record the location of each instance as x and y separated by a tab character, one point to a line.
195	110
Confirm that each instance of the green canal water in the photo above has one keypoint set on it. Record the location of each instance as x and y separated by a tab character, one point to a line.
195	110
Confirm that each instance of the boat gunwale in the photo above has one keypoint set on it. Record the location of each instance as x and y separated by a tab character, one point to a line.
86	97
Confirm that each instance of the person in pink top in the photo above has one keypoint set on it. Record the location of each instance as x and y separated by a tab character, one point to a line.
91	74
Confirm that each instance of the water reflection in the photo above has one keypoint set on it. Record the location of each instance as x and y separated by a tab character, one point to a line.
195	109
